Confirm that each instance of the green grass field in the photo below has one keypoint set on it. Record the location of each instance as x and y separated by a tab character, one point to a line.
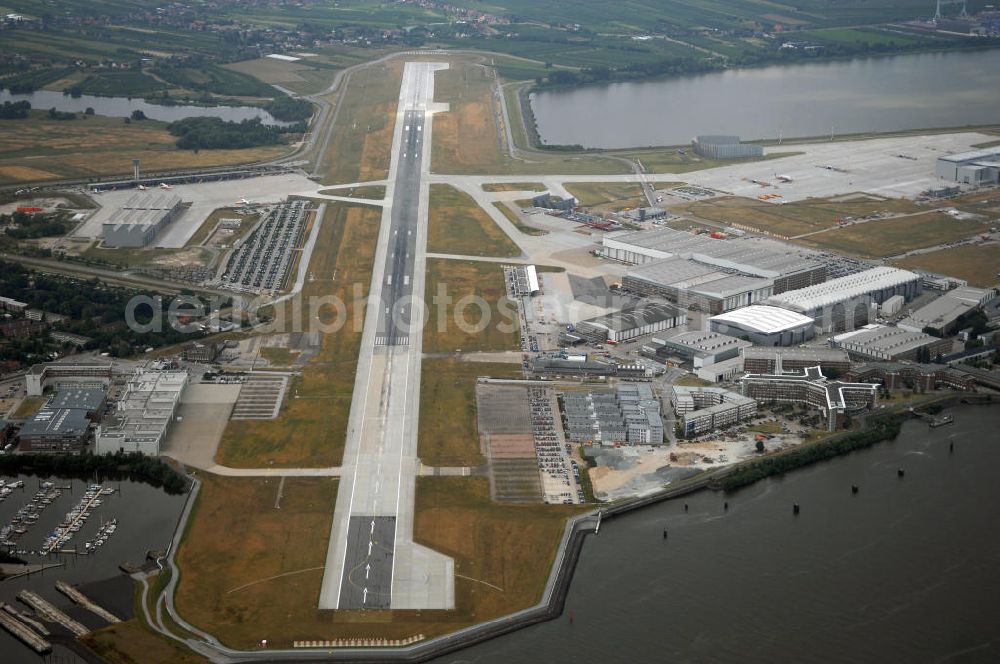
448	435
469	295
890	237
459	226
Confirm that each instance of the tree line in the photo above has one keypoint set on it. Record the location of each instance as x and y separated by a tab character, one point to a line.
218	134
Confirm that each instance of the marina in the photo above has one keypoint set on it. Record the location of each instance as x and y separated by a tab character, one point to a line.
134	519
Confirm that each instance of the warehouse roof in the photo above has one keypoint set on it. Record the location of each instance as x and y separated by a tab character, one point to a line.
886	340
689	275
810	354
635	317
764	319
972	155
843	288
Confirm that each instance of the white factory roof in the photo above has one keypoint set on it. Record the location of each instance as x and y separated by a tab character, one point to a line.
972	155
843	288
764	319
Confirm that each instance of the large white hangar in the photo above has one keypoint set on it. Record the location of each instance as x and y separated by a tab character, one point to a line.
764	325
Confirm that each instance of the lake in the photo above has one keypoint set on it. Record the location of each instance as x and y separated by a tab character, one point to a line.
856	96
904	571
120	107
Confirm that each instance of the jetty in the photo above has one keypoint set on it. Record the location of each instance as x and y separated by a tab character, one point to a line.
26	619
49	612
79	598
24	633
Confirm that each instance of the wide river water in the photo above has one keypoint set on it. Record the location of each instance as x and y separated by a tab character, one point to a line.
907	570
855	96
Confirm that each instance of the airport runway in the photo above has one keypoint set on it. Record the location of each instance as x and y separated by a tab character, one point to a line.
372	561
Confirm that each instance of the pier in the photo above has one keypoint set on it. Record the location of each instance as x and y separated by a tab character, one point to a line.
51	613
79	598
27	620
24	633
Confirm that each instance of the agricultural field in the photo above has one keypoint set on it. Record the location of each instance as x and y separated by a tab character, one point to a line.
301	77
312	427
460	281
40	148
891	237
457	225
979	264
448	435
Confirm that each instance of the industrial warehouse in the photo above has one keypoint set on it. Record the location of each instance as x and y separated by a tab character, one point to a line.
710	274
765	325
141	418
976	167
645	318
725	147
845	303
883	342
140	218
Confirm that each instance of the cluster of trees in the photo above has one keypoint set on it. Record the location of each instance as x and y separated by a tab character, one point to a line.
218	134
635	70
54	114
16	110
879	429
115	467
25	226
289	109
96	310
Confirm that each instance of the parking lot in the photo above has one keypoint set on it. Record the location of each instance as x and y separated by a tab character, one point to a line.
261	264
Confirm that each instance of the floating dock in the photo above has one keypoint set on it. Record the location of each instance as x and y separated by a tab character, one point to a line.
84	601
24	633
46	610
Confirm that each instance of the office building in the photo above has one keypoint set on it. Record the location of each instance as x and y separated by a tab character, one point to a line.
770	360
835	399
704	409
142	417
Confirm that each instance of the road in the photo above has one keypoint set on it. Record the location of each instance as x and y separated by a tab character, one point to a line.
372	561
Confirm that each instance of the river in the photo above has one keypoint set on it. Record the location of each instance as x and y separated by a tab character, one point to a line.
120	107
854	96
146	517
907	570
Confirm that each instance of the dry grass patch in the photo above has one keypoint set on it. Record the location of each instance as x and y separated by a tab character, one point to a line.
607	196
791	219
131	642
237	537
457	225
93	146
493	327
374	192
311	429
889	237
448	434
513	186
979	264
514	219
510	547
362	137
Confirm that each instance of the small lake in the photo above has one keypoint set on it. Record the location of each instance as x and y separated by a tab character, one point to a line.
855	96
120	107
147	518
